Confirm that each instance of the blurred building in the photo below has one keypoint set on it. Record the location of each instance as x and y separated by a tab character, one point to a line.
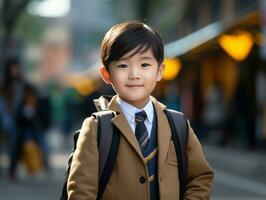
89	22
220	45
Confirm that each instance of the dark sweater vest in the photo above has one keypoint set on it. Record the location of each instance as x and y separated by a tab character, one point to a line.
150	153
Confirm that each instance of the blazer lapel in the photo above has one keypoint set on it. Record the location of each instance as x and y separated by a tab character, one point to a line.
164	132
122	124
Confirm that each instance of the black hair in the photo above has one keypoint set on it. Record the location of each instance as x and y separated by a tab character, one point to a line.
126	36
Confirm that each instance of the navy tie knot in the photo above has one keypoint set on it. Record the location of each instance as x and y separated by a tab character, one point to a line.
140	116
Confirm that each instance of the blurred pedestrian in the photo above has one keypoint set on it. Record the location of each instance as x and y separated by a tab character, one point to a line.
12	92
171	96
44	110
242	115
29	128
215	113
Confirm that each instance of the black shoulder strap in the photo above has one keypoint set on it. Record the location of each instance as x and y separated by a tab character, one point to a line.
64	195
108	143
179	129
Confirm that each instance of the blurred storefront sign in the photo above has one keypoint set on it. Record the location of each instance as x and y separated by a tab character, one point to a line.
193	40
235	34
227	54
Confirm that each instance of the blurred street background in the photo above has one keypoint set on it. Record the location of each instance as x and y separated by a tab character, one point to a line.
215	57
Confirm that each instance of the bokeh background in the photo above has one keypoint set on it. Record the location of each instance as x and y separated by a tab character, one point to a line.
215	55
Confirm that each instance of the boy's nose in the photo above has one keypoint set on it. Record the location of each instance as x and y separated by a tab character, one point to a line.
133	74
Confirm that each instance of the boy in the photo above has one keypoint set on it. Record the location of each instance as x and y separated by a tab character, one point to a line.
132	57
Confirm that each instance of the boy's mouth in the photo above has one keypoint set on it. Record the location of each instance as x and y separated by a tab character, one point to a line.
134	85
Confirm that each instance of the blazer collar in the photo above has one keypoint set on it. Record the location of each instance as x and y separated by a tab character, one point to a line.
163	128
121	123
163	132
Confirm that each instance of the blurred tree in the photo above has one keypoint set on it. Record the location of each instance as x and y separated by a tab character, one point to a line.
10	11
162	14
165	15
34	27
143	8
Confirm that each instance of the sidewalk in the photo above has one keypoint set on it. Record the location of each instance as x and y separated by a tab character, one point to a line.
42	186
239	174
246	163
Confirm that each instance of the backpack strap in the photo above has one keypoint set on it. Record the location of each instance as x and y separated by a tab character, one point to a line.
102	102
108	142
179	130
64	195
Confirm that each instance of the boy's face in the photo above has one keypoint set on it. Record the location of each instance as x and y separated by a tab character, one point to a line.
134	77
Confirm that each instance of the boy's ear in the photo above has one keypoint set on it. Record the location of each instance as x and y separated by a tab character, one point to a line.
105	74
160	72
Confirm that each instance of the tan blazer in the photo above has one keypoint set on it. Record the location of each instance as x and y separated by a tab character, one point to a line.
124	183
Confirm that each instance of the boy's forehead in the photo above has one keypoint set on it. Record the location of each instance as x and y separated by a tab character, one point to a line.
145	53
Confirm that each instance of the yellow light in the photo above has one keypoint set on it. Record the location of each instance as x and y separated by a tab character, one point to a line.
172	68
238	45
83	85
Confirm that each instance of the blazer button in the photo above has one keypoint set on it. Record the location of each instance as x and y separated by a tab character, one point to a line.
142	180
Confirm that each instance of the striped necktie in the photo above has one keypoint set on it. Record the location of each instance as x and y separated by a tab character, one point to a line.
141	131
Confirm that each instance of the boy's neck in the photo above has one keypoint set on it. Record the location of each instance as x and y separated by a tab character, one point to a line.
140	104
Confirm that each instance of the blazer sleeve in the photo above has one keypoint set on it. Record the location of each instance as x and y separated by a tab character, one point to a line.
200	174
83	177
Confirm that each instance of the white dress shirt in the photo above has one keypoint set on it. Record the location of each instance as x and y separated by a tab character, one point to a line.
129	111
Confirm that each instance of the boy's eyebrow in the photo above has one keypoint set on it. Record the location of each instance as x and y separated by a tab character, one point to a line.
147	57
142	57
123	58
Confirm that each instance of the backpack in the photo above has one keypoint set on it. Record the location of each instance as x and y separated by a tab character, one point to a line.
108	143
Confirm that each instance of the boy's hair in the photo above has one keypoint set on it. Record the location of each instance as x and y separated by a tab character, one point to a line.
126	36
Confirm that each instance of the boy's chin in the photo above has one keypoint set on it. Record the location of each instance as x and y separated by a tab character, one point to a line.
135	98
137	102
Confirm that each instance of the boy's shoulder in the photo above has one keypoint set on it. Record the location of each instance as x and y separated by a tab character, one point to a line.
89	125
93	119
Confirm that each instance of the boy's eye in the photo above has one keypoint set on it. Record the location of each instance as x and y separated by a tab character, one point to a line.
145	65
122	66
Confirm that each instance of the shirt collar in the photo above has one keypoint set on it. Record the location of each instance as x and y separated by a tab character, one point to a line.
130	110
